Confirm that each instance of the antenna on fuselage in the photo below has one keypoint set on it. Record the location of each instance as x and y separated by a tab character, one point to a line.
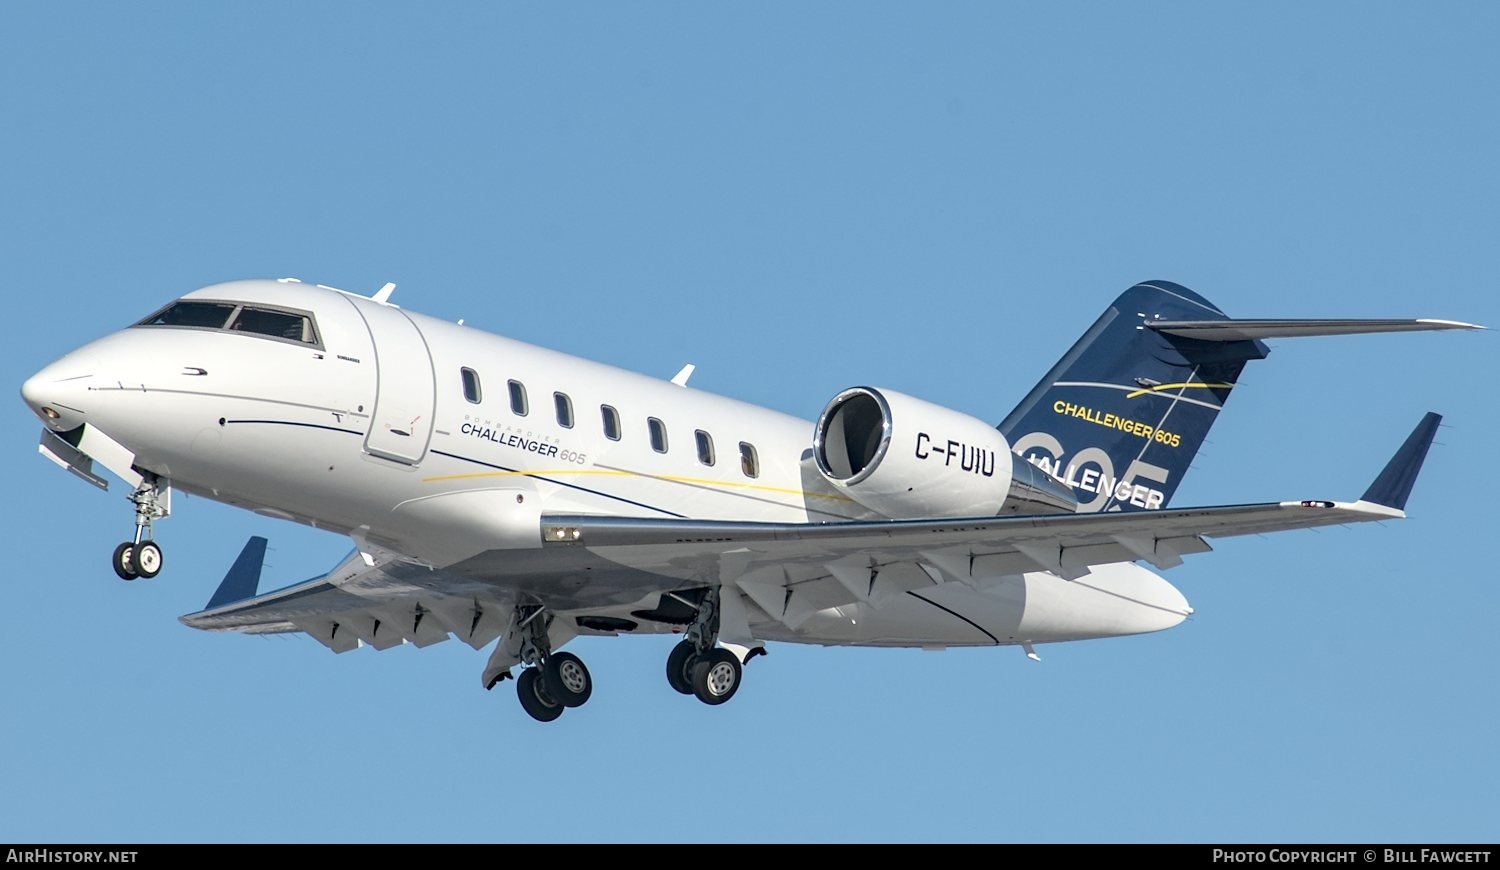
383	295
680	379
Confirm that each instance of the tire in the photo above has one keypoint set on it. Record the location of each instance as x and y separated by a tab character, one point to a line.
146	560
680	667
567	679
534	698
123	561
716	676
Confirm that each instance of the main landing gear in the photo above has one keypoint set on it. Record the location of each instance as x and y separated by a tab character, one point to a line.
552	681
141	557
696	666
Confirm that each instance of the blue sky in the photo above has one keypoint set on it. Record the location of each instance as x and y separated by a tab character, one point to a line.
796	197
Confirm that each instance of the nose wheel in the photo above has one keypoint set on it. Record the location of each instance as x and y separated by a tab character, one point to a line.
132	560
123	561
145	558
142	557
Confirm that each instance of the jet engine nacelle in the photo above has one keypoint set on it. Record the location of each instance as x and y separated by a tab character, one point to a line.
905	459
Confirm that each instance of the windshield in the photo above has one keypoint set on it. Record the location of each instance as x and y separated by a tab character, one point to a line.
276	324
207	315
283	324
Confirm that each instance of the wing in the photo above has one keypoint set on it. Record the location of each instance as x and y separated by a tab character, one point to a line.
789	570
366	600
794	570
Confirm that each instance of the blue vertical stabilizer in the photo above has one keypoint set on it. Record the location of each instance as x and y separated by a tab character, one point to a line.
1123	413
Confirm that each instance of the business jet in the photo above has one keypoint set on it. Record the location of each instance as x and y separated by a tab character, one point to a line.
502	493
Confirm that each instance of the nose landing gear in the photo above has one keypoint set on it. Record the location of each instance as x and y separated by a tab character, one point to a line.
142	556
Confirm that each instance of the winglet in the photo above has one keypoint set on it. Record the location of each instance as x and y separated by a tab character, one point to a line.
243	579
1393	486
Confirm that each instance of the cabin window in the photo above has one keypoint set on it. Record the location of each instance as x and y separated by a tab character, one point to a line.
611	419
564	407
749	462
705	444
517	398
202	315
471	384
658	431
286	325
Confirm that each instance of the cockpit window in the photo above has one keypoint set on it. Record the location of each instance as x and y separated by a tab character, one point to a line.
278	323
205	315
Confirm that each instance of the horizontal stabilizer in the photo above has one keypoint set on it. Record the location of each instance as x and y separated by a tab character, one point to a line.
1252	330
243	579
1394	484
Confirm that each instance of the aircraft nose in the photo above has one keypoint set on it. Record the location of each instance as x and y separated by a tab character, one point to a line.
33	392
55	393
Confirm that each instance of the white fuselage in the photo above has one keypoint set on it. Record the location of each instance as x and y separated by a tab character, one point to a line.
374	430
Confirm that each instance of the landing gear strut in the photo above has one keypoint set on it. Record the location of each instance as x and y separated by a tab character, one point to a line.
552	681
141	557
696	666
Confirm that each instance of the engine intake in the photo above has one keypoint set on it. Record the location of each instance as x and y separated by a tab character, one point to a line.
906	459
